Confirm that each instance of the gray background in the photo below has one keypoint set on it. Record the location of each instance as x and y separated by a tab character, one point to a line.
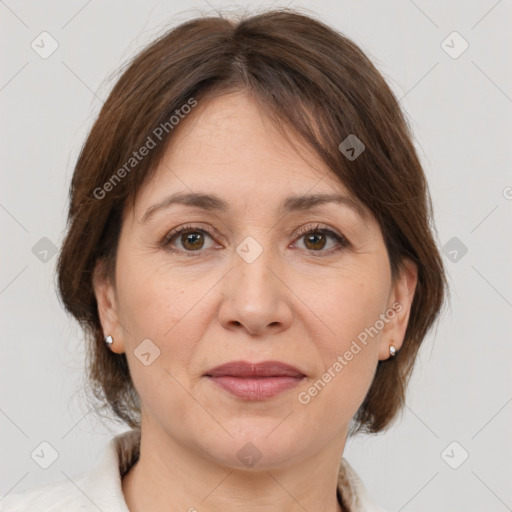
460	110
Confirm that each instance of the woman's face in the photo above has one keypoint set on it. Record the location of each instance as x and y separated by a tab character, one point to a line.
245	283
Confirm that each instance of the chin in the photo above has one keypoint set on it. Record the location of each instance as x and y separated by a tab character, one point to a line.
255	446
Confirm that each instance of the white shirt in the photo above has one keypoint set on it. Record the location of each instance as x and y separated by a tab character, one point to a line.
100	488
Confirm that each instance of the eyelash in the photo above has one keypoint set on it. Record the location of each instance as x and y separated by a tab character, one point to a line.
343	243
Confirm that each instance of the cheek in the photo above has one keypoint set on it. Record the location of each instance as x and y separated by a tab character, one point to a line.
168	308
348	346
152	302
348	304
348	354
155	306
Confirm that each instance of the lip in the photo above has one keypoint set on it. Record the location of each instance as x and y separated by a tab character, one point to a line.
255	381
262	369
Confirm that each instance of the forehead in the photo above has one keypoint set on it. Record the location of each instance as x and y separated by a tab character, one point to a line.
227	145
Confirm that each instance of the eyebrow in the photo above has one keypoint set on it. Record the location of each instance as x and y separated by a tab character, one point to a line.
209	202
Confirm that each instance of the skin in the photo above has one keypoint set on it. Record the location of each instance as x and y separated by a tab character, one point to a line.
298	302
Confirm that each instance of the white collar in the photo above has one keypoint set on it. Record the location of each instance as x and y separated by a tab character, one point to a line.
100	489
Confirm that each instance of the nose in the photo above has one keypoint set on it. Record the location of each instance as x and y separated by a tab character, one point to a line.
256	297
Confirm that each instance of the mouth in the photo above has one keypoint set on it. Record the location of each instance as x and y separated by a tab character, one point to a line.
255	381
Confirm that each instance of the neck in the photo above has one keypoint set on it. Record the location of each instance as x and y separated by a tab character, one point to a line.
170	473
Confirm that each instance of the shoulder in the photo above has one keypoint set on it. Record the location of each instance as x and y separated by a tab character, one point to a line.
353	490
97	489
46	498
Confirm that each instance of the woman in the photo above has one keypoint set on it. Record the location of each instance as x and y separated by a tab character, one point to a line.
250	253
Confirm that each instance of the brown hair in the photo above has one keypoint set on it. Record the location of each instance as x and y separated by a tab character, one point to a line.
313	81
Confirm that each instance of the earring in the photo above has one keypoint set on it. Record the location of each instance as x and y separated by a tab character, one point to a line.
109	340
392	350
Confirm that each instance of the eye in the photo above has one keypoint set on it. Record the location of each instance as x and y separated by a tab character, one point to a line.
316	239
191	239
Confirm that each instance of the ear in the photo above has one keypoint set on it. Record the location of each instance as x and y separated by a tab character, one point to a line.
399	309
106	298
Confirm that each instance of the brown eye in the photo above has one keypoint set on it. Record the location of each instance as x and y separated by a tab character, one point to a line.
317	238
192	240
187	239
315	241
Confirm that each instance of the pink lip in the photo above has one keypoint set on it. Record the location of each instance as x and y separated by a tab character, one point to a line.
255	381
